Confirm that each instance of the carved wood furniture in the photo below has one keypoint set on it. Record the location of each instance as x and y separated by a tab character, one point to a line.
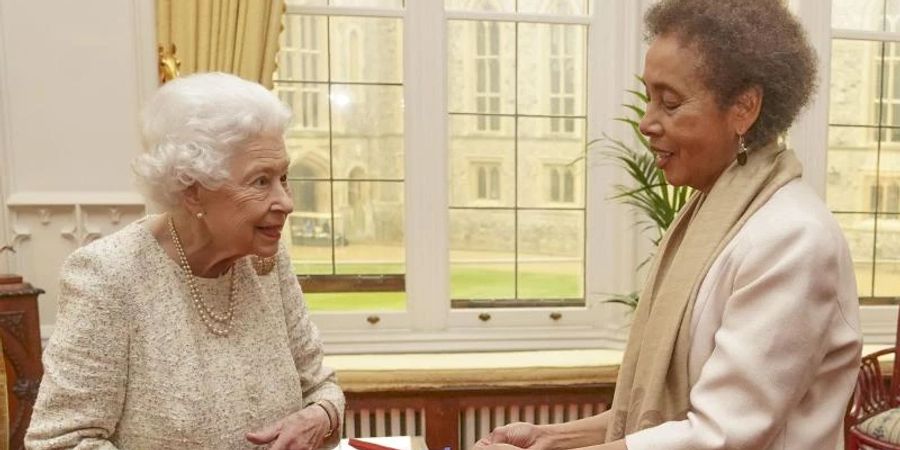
21	337
874	395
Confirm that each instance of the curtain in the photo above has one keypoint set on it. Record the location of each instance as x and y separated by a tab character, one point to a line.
234	36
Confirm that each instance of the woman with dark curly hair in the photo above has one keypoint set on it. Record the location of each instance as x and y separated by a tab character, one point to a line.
747	332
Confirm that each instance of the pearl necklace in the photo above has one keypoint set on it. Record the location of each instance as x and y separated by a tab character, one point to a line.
217	324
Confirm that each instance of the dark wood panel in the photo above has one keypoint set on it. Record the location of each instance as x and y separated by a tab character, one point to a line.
21	337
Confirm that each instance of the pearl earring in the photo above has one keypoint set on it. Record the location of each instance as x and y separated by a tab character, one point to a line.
200	215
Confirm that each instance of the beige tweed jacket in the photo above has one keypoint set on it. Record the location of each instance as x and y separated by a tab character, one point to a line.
131	366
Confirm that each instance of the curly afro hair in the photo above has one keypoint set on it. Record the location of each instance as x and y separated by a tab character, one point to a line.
741	44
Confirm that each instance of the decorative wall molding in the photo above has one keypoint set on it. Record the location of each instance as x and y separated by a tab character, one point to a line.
47	227
66	198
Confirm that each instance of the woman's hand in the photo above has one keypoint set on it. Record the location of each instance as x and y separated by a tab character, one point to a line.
478	446
302	430
515	435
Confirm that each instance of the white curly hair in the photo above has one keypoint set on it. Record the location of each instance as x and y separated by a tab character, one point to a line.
192	125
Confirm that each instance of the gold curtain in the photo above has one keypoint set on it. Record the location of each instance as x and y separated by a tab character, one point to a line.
234	36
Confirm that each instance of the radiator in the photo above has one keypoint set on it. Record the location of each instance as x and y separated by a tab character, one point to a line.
474	422
384	422
477	422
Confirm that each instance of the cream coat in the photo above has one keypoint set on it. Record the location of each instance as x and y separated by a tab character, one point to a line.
775	336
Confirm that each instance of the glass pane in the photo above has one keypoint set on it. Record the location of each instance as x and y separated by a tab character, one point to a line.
551	254
365	49
303	55
551	69
387	4
307	228
367	130
887	256
368	227
859	229
858	14
356	301
553	7
480	5
852	168
891	87
309	103
481	66
482	254
557	7
855	75
552	162
889	175
482	162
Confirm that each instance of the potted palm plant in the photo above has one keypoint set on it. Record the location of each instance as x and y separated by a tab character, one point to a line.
656	201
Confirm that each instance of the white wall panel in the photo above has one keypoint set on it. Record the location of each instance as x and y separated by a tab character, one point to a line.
72	78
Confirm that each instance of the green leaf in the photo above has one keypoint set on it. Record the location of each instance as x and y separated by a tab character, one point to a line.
642	96
637	111
656	201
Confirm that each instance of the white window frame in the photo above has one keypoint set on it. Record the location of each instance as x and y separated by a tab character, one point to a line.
612	248
809	135
612	251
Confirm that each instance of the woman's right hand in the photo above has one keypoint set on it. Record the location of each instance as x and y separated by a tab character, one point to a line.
518	434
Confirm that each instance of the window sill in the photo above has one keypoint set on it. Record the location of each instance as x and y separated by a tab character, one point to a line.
442	371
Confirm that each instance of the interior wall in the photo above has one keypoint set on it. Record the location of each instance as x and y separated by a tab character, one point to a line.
72	79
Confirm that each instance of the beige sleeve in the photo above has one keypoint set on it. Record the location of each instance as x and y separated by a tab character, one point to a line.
85	363
318	382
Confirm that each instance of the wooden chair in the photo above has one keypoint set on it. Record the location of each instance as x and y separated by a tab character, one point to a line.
873	400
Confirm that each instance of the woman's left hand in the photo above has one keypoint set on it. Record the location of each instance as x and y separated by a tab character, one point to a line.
302	430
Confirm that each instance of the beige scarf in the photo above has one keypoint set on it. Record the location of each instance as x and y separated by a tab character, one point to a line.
653	384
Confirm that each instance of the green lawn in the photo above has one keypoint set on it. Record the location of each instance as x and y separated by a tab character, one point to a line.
356	301
471	282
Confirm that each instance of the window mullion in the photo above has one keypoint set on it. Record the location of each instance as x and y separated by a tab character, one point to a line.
809	135
612	244
427	190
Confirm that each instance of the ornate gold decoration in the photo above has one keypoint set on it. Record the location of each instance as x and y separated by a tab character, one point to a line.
263	265
169	64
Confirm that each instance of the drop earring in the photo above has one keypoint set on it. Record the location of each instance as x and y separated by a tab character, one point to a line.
742	151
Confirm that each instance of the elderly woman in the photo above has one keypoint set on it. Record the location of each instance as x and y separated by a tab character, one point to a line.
747	333
187	329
